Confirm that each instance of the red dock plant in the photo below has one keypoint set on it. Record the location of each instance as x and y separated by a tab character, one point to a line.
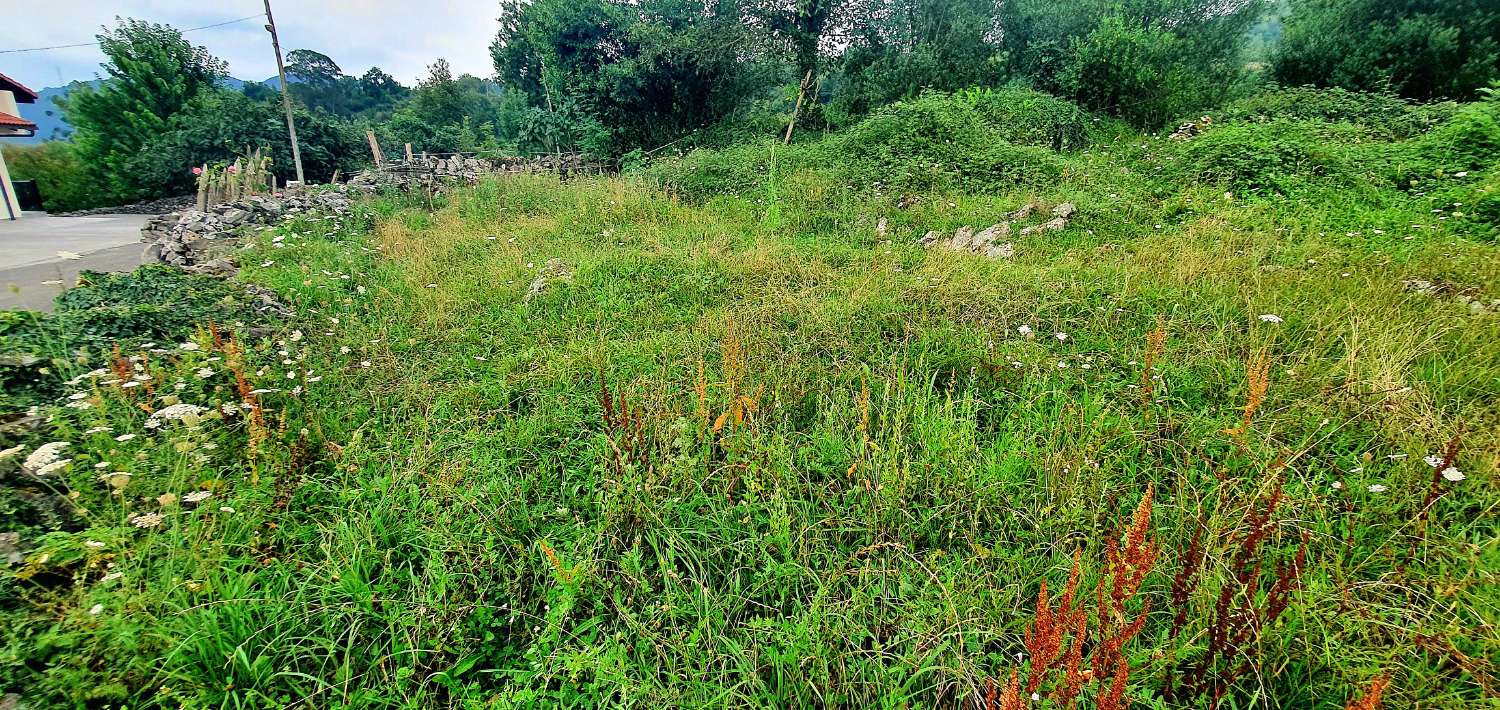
626	426
1242	612
1125	567
1371	699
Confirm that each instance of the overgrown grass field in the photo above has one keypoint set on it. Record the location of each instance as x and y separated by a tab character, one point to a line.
638	442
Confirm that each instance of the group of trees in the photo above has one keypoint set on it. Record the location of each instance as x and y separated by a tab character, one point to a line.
166	105
615	76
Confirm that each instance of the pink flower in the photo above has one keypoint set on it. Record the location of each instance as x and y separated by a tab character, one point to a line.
233	169
197	170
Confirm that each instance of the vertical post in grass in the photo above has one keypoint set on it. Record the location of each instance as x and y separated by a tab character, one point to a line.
797	108
375	149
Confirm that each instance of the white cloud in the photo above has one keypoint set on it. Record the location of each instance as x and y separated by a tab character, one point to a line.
400	37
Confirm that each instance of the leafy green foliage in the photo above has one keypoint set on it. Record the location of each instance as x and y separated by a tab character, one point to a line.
1469	142
65	182
1420	49
1029	117
1385	115
1277	157
1146	61
647	72
901	48
934	142
153	75
153	303
220	125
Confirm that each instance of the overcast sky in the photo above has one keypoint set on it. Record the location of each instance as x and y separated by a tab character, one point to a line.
399	36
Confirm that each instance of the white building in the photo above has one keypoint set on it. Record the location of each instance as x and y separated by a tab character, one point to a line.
11	124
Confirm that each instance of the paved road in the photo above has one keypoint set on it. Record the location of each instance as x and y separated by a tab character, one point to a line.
31	272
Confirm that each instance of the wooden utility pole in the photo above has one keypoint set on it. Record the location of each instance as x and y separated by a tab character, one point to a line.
286	99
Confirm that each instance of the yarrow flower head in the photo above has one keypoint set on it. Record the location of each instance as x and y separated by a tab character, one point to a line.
45	455
196	496
1453	475
1270	318
147	520
1024	330
1433	460
1377	488
188	413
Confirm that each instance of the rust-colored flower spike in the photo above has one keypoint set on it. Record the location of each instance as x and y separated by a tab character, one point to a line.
1129	567
1073	678
1044	638
1011	698
1371	699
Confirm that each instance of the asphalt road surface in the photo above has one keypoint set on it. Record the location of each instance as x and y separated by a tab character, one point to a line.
32	272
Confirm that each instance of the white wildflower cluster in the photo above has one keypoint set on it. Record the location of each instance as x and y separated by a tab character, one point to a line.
196	496
46	459
188	414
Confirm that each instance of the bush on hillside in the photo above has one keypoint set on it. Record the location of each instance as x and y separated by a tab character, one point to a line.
1029	117
1384	115
735	170
1469	142
1279	157
935	142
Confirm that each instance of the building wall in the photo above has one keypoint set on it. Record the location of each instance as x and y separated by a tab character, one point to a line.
12	207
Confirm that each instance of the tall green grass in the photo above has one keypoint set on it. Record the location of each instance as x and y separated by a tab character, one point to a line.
735	461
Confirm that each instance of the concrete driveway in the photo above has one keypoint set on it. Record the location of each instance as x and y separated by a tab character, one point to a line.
31	271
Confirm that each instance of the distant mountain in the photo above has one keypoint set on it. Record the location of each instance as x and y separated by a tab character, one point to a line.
48	117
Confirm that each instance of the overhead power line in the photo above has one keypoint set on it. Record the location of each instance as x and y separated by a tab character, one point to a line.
91	44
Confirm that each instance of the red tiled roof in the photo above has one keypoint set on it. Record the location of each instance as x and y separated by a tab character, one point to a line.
10	121
23	94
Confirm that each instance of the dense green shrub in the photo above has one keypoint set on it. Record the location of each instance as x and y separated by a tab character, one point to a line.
1145	61
60	175
1422	49
1385	115
1470	141
220	125
930	143
1030	117
1278	157
935	142
735	170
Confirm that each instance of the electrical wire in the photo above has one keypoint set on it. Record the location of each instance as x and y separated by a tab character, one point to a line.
91	44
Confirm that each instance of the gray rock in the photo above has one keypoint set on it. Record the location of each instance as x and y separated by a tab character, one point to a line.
1003	250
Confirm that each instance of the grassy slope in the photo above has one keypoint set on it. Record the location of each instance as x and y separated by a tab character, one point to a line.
455	523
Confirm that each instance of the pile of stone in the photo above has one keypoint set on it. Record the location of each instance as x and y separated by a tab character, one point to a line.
994	241
436	172
185	238
1466	296
165	204
1191	129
